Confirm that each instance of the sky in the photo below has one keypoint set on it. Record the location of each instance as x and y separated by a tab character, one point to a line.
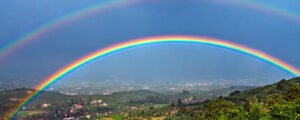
264	31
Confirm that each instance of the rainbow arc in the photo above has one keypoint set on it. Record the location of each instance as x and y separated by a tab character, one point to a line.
149	41
102	7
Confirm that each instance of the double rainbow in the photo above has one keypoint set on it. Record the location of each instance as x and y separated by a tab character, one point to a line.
101	7
57	22
149	41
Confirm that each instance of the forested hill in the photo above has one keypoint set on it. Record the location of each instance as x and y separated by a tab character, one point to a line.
279	101
270	91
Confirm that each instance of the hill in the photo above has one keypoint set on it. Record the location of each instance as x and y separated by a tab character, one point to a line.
269	91
227	91
11	98
276	101
127	96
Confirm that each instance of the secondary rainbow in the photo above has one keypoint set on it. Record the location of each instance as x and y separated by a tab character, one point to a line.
268	8
68	18
149	41
57	22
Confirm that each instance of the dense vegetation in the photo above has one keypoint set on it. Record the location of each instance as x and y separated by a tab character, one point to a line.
277	101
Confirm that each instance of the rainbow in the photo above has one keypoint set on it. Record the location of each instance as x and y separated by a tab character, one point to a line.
149	41
267	8
68	18
57	23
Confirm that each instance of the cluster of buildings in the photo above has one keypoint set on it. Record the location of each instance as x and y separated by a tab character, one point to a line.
80	108
99	103
189	100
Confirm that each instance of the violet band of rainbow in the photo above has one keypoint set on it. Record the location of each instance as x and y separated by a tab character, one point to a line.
148	41
53	24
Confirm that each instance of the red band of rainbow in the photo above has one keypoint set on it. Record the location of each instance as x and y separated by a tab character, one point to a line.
148	41
60	21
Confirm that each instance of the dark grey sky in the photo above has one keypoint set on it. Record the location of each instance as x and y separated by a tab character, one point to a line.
270	33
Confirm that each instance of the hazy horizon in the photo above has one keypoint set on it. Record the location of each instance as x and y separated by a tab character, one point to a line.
270	33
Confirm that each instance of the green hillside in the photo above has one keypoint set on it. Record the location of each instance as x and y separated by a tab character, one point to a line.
127	96
276	101
279	101
266	92
11	98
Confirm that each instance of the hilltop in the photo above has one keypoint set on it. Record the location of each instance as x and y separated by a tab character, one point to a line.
276	101
269	91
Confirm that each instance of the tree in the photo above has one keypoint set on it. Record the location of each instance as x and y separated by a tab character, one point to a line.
257	109
220	108
179	102
293	93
